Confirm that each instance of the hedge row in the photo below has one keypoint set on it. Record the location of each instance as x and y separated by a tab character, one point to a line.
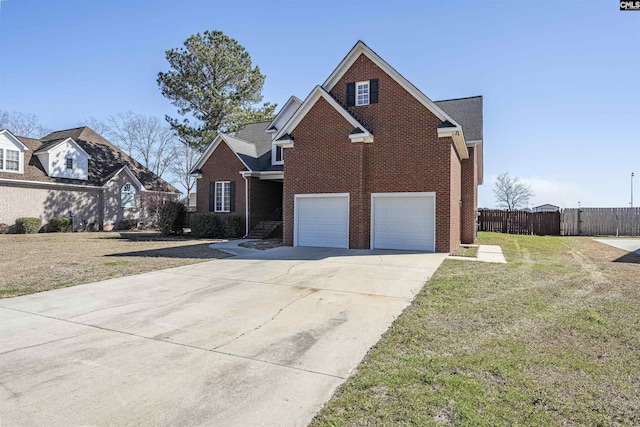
216	227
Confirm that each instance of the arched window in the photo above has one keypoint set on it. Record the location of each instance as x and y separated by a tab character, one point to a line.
128	196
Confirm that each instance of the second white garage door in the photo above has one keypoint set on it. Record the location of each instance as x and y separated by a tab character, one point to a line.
403	221
321	220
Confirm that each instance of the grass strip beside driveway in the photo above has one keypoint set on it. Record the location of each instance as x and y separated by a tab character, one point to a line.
551	338
32	263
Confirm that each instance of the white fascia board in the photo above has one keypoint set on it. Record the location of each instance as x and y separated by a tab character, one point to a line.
52	184
128	171
362	49
317	93
458	140
365	137
209	151
271	175
72	142
205	156
285	143
286	105
14	139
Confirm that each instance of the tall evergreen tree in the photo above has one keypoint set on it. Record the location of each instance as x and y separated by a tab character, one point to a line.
214	85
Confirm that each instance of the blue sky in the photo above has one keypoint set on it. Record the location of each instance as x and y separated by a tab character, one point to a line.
560	79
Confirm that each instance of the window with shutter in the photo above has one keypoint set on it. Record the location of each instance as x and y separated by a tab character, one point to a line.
222	196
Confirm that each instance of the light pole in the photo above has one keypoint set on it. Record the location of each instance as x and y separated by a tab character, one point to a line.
631	189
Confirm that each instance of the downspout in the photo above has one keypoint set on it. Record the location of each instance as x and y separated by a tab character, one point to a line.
246	206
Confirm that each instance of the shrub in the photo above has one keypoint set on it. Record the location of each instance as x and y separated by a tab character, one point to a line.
203	225
216	227
233	226
59	224
28	225
4	228
171	218
128	224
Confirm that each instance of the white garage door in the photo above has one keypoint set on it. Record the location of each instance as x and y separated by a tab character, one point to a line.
322	220
403	221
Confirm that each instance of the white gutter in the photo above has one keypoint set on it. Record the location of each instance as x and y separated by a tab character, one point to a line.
54	184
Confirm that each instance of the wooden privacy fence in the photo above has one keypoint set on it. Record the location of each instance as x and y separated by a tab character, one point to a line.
519	222
601	222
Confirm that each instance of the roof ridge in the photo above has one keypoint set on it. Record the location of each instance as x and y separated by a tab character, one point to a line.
458	99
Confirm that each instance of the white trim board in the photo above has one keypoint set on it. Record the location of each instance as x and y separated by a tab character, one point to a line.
362	49
317	93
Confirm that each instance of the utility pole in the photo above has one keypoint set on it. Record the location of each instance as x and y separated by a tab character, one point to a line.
631	189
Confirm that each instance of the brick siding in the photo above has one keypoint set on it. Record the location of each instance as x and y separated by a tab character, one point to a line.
406	156
222	165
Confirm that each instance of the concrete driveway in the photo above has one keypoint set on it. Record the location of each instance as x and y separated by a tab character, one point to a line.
262	339
626	244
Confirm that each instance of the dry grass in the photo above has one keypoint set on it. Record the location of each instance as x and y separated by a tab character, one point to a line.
551	338
38	262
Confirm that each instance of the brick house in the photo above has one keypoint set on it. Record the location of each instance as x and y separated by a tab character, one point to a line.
366	161
74	172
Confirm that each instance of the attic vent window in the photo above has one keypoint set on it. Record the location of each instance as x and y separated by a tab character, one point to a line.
362	93
69	163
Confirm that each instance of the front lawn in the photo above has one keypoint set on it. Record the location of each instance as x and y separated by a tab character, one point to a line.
551	338
39	262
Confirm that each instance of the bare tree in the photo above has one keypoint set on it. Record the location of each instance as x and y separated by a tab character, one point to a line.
23	124
146	138
185	159
511	193
97	125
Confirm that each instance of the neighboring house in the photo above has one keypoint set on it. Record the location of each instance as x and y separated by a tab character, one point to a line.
73	173
546	208
366	161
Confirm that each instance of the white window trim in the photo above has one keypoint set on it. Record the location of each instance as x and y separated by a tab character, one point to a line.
3	163
274	149
134	191
368	83
223	200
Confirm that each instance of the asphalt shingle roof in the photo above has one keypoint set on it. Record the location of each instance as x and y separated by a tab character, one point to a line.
106	160
253	145
467	112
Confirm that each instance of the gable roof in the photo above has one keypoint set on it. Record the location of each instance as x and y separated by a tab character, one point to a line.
251	144
292	102
361	48
105	161
14	138
317	93
49	147
468	113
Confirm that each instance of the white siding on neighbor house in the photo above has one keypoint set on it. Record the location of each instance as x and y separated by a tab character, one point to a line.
6	143
54	162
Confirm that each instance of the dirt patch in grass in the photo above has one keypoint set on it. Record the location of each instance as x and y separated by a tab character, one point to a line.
262	244
466	251
40	262
551	338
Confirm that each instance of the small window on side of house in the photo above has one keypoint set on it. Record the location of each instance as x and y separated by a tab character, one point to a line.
362	93
128	196
69	163
1	159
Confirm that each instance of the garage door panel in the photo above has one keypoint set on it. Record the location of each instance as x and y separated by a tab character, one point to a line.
323	221
403	222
